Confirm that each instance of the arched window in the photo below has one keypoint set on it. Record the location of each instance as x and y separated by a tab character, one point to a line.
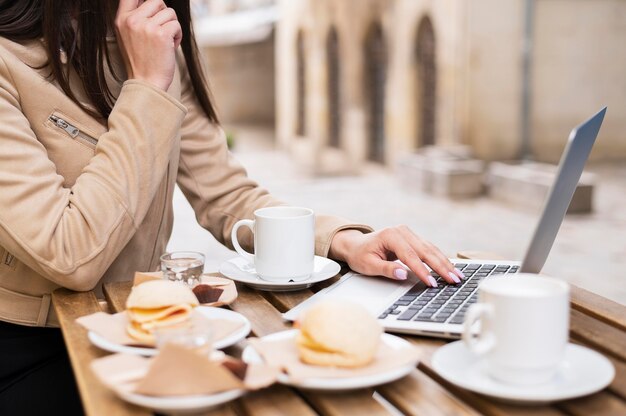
334	88
426	82
375	76
300	87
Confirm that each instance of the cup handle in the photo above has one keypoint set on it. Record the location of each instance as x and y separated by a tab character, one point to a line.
233	235
482	342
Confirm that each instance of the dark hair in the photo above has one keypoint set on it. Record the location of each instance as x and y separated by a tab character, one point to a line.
86	47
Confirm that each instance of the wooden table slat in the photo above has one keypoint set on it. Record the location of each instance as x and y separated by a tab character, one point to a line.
598	334
275	400
265	319
602	403
116	294
598	307
96	398
418	394
357	402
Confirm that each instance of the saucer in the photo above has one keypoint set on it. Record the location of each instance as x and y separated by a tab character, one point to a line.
250	355
582	372
239	270
208	311
180	404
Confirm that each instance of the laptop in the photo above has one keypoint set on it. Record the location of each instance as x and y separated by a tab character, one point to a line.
411	307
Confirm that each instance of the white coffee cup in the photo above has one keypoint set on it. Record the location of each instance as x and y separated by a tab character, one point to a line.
284	243
524	326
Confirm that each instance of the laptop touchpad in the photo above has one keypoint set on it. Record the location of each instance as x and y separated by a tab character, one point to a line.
375	293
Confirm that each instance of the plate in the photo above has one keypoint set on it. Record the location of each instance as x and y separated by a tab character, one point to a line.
582	372
250	355
180	404
208	311
239	270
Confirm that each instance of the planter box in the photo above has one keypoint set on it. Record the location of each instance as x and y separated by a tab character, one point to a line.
447	172
526	184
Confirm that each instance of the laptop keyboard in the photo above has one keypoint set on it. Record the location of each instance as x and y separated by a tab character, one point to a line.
445	303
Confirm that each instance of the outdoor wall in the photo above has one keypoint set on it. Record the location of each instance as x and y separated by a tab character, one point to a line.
242	81
579	67
493	77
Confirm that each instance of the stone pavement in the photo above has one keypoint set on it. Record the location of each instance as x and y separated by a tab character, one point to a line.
590	250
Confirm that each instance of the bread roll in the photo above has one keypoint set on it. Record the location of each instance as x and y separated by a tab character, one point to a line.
160	293
156	304
341	334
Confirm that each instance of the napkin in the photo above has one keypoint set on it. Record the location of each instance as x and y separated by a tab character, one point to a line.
283	353
113	327
229	290
179	371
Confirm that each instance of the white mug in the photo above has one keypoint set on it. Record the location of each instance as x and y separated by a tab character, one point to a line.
524	326
284	243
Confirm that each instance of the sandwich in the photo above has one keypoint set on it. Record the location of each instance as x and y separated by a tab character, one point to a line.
157	304
338	334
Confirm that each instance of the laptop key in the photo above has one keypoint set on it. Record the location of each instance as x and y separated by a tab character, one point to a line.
407	315
418	289
395	312
439	319
382	316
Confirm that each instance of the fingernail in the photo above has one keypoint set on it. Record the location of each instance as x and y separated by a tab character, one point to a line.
400	274
459	273
454	277
432	281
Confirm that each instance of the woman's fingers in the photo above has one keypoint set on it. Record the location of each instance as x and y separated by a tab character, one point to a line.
163	16
149	34
150	8
175	31
395	242
127	5
390	269
432	256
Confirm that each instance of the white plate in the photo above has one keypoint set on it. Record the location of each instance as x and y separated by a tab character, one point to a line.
239	270
582	372
250	355
208	311
180	404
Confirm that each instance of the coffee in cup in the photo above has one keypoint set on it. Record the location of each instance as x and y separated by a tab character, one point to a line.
284	243
520	325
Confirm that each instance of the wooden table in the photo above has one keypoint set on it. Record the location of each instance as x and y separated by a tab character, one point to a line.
595	322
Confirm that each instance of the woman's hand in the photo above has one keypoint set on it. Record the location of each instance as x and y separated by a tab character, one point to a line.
374	254
148	33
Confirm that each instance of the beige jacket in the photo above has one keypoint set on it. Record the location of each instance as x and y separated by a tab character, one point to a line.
87	201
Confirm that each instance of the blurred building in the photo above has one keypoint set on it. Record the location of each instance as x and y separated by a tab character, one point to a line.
237	38
360	80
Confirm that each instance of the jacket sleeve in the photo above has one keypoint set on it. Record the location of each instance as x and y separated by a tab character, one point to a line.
71	236
218	188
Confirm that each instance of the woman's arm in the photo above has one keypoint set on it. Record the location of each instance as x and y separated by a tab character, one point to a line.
71	236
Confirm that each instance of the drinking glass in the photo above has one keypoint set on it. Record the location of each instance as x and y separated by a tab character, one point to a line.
183	266
194	335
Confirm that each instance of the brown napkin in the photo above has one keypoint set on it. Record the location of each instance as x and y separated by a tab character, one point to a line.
113	327
177	371
227	297
284	354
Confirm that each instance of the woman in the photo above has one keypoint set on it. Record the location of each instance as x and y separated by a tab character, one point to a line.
103	109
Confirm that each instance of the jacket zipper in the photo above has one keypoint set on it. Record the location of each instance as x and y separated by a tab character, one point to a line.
72	130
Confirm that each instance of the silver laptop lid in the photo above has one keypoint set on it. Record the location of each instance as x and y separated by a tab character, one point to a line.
579	145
